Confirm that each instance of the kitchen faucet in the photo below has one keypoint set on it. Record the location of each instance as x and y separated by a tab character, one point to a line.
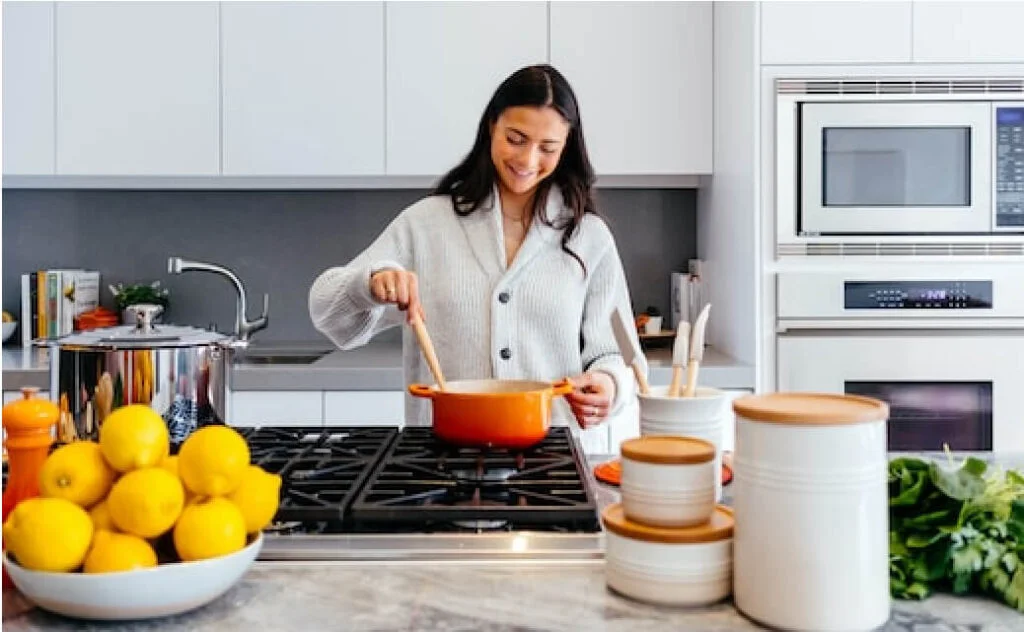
243	328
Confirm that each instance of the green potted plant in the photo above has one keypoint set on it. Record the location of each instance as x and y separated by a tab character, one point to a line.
138	294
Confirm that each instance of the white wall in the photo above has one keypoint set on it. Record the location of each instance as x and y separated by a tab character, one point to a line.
727	208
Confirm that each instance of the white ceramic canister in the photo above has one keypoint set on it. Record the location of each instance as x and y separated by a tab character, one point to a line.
668	481
703	416
689	566
811	504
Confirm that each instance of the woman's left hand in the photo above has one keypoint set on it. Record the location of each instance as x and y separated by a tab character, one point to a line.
591	398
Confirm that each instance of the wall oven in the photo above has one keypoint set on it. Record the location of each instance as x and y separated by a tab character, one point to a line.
943	345
888	158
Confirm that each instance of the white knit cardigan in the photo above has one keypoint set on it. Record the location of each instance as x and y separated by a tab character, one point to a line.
539	319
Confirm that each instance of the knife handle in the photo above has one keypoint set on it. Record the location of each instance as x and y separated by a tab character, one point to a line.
641	378
677	379
691	378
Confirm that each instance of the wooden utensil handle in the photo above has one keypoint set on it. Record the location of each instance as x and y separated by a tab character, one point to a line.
428	351
691	378
641	378
677	380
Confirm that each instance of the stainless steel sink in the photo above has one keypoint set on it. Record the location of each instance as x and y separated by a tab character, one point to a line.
277	356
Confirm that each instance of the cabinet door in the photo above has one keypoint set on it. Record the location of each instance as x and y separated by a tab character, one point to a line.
277	408
303	88
642	74
137	88
28	88
973	31
364	408
843	32
444	61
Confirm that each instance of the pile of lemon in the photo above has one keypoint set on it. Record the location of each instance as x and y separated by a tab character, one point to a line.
103	506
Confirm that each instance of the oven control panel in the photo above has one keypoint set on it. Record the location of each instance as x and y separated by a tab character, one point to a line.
917	295
1009	171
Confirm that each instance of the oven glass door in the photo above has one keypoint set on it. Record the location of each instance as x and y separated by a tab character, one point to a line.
870	168
961	389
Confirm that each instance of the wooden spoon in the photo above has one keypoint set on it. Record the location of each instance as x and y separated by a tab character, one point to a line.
428	350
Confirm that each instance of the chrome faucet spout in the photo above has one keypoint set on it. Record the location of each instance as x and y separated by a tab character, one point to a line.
244	328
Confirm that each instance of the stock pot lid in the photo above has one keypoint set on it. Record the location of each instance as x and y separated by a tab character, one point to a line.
668	450
719	527
130	337
811	409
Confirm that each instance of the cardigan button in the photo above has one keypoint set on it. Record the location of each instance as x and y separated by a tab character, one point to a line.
504	297
506	353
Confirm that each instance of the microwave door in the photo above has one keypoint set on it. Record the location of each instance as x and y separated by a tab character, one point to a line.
895	168
960	388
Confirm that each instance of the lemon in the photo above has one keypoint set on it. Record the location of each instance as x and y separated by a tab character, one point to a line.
76	472
209	528
113	552
146	502
100	515
134	437
257	497
171	465
48	534
212	461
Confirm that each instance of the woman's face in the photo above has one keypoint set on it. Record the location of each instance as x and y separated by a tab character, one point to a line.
526	144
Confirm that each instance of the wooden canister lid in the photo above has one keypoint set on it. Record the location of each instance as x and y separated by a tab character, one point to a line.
718	528
668	450
811	409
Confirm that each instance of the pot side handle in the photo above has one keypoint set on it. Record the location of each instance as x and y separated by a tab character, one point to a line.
421	390
563	386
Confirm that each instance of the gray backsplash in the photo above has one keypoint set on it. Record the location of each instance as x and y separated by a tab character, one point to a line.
278	242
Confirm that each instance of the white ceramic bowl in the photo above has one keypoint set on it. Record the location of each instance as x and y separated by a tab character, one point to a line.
9	329
141	594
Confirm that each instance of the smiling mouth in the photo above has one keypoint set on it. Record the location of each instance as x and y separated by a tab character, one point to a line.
521	174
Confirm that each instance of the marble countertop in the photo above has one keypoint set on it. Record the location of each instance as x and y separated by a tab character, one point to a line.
511	595
374	367
463	596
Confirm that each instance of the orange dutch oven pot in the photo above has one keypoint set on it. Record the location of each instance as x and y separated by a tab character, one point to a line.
495	413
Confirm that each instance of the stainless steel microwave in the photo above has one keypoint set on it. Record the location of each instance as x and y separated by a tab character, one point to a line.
894	157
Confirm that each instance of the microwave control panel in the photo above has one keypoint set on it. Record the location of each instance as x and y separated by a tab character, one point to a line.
917	295
1009	174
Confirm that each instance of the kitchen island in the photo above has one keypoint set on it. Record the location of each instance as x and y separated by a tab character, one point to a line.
481	595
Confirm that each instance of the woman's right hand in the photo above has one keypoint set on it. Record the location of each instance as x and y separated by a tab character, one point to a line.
398	287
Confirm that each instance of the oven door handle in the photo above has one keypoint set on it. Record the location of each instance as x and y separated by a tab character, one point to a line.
988	325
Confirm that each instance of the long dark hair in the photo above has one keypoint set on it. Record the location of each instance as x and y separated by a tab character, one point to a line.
471	182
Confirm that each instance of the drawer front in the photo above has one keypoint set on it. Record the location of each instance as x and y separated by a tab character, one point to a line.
364	408
278	408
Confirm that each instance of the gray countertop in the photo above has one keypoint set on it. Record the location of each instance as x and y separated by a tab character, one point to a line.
374	367
506	595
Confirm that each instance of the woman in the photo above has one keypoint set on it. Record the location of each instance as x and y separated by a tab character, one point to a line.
507	263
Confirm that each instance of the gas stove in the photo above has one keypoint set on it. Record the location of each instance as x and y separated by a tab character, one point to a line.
358	493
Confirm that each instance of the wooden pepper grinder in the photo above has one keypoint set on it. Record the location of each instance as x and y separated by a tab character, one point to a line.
28	423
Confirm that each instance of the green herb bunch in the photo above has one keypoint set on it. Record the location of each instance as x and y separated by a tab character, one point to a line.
140	293
956	528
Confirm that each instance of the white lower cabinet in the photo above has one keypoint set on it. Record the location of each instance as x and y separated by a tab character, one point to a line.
364	408
277	408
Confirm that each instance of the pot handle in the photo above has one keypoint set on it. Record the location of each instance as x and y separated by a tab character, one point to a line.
421	390
563	386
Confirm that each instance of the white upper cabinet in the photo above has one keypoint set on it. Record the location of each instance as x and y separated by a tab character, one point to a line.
28	88
138	88
642	74
303	88
973	31
444	61
849	32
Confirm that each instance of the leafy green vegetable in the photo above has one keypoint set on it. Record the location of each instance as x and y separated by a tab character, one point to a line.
956	528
